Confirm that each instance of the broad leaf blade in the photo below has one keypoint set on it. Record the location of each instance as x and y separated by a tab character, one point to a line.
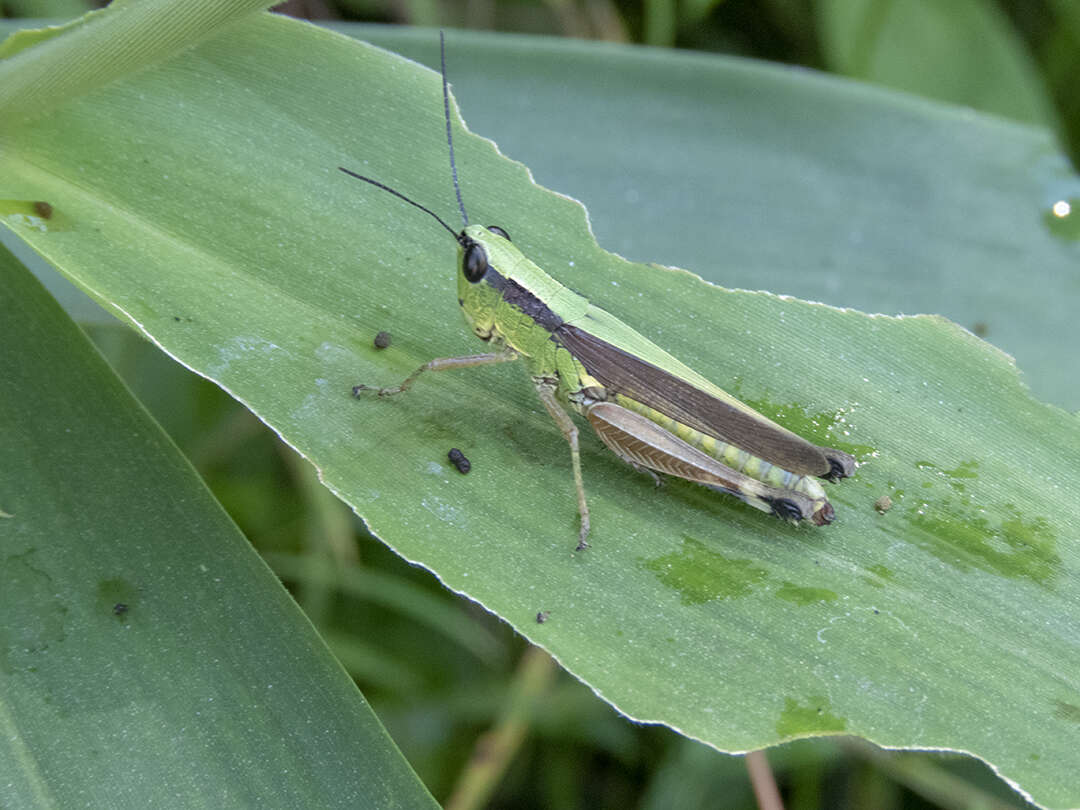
147	655
236	244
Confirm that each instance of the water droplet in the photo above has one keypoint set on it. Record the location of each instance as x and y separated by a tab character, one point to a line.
1062	219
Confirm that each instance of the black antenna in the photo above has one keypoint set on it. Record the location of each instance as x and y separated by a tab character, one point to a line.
449	135
401	196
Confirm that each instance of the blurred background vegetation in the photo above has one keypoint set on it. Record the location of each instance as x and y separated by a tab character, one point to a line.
448	680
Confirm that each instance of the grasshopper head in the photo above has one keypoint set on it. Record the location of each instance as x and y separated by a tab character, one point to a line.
481	251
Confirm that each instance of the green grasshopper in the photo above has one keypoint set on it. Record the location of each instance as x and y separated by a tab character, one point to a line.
654	412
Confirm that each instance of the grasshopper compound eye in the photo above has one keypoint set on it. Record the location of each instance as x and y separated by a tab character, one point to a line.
474	263
495	229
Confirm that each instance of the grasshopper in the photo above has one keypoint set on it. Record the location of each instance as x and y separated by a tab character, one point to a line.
652	411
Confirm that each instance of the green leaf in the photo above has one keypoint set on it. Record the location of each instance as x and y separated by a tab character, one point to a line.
200	200
146	652
963	51
133	36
